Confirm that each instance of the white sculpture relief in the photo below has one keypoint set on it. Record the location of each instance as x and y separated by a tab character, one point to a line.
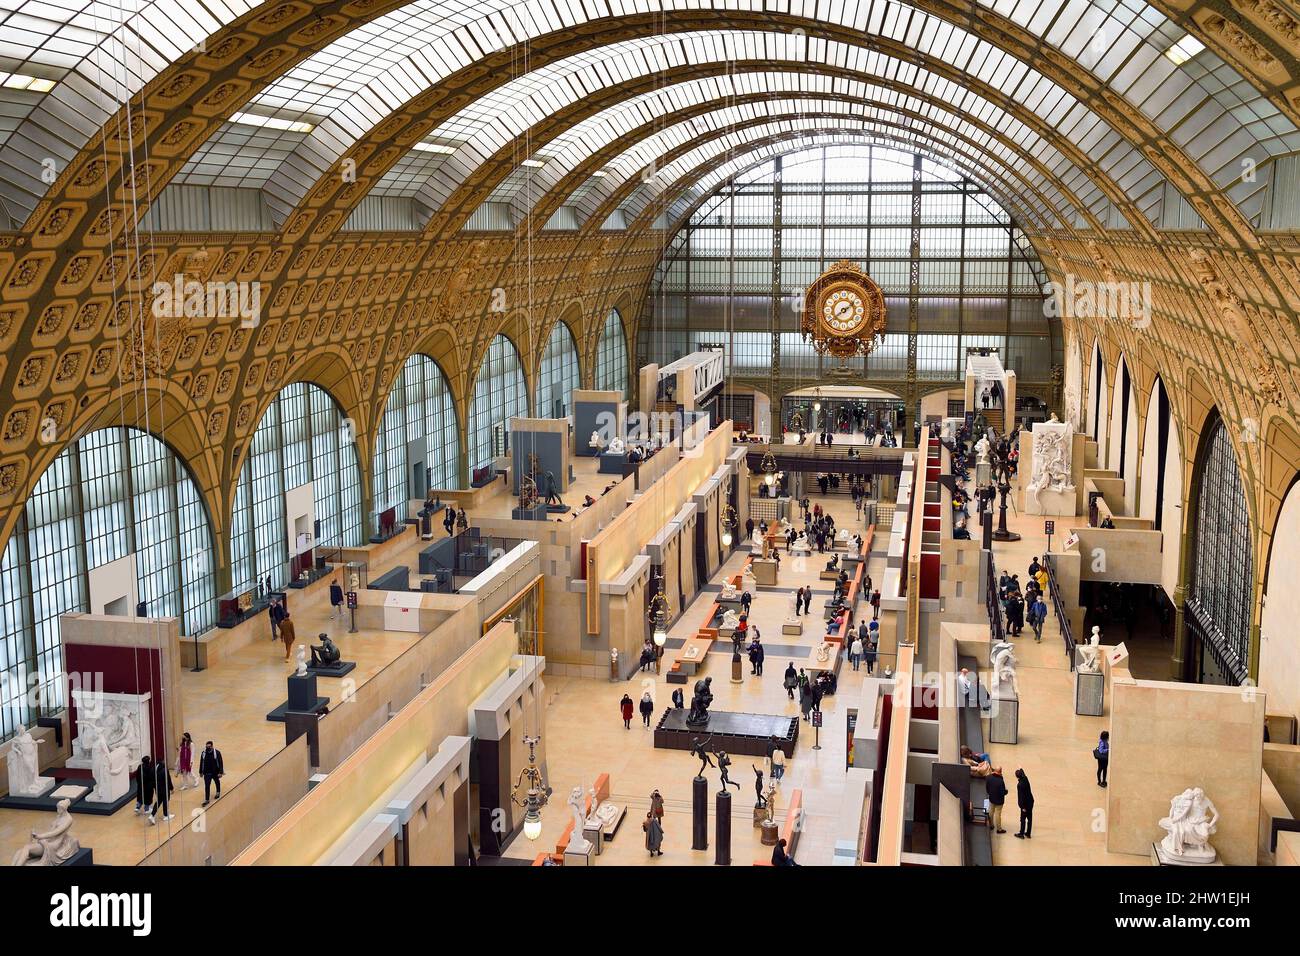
110	768
1051	476
1005	684
1192	820
24	767
124	719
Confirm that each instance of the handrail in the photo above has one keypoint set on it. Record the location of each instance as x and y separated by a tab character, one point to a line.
993	603
1058	605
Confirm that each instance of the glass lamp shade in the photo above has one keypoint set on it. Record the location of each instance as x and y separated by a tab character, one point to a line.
817	406
660	637
726	539
769	479
532	825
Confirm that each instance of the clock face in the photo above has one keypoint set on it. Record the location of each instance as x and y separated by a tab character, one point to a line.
843	310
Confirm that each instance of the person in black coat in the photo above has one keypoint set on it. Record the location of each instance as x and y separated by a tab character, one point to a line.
1024	797
336	598
144	783
679	699
780	857
759	655
162	790
997	789
211	768
746	599
277	615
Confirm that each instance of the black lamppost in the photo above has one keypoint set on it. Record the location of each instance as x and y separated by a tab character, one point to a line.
1002	534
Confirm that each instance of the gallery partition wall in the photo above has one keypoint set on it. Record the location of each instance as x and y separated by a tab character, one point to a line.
115	495
733	276
302	439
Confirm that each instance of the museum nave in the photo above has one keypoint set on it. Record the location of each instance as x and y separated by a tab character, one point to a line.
424	423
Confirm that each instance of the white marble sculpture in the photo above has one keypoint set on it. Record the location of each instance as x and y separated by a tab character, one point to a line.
842	534
1005	684
596	441
982	450
824	652
801	544
756	542
110	768
729	591
1192	820
1088	654
301	657
55	846
751	581
730	619
24	767
603	814
1051	488
617	446
791	605
577	842
123	717
1072	405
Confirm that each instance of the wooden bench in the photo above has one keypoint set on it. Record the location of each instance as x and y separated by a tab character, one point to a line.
791	828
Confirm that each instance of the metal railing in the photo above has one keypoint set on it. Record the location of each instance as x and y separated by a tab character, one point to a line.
1058	605
993	603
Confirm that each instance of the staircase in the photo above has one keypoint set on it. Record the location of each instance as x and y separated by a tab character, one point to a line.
995	419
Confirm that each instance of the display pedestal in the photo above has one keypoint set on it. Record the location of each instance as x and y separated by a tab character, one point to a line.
303	698
1004	721
769	833
592	833
760	816
722	852
1052	503
699	814
579	856
737	669
764	570
535	513
1089	693
792	627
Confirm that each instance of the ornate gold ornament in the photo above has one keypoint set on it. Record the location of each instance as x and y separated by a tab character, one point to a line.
844	312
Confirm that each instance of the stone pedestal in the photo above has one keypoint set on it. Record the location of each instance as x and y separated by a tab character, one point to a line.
760	816
1089	693
737	669
1162	857
1049	502
769	834
580	856
764	571
699	814
1004	720
722	852
792	627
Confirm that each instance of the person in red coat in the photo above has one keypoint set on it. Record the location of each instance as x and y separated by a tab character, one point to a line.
625	706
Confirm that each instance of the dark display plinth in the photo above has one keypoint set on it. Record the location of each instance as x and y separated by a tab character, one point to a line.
302	698
618	464
722	834
699	814
535	513
558	509
337	669
747	734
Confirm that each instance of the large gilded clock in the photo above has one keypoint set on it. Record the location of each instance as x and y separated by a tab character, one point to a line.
844	312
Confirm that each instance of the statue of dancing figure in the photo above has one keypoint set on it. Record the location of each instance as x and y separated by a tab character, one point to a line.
701	750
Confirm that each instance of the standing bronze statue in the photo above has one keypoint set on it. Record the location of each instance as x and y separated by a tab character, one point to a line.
701	750
758	788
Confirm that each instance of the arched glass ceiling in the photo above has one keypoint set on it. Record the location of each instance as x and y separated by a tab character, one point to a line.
638	162
740	147
89	56
645	154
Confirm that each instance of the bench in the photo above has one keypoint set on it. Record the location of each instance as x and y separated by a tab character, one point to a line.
979	841
791	828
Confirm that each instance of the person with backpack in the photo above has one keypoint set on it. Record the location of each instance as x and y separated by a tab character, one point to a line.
1101	753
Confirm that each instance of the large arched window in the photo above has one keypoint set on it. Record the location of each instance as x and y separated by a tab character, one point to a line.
557	376
499	395
303	439
418	445
118	495
611	356
1219	600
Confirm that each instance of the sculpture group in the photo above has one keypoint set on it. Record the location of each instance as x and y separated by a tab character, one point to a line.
1192	820
55	846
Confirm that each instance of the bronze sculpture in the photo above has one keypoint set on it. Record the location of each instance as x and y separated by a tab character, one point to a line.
701	750
699	714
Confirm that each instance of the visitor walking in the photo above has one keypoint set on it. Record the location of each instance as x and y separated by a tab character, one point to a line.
277	614
997	790
211	768
790	682
869	656
654	833
1102	753
625	708
647	708
775	761
875	604
746	599
144	784
336	598
287	635
185	762
855	652
1025	798
162	790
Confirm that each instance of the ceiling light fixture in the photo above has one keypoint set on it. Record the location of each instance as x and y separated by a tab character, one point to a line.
533	163
434	148
21	81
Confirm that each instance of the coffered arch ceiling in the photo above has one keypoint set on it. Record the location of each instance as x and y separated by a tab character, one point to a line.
377	82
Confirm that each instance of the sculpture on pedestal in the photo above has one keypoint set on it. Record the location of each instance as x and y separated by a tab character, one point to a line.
724	764
301	657
596	441
982	450
326	654
730	618
55	846
759	801
527	493
577	842
791	607
1089	653
1192	820
1004	671
24	767
703	696
617	446
701	749
729	592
